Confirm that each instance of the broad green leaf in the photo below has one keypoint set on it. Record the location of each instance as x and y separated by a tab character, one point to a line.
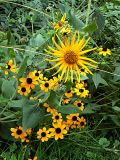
17	103
91	27
8	89
97	79
68	109
37	41
22	67
87	110
100	20
32	115
75	21
104	142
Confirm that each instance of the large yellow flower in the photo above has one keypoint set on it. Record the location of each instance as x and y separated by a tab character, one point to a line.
69	57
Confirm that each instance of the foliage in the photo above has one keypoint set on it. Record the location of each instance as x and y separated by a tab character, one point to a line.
26	30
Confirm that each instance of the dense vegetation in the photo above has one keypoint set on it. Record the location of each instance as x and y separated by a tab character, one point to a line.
32	33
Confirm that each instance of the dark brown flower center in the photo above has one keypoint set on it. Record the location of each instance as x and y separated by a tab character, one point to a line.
57	117
37	74
19	132
82	69
70	57
58	130
8	66
69	91
82	123
29	80
23	89
74	118
81	90
104	49
79	104
43	134
46	85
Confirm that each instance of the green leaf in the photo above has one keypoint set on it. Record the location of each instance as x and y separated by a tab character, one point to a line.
17	103
37	41
115	108
100	20
117	72
32	115
87	110
13	157
104	142
68	109
91	27
52	100
97	79
8	89
22	67
75	21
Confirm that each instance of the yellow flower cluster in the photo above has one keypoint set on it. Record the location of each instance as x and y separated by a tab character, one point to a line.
19	133
36	78
60	127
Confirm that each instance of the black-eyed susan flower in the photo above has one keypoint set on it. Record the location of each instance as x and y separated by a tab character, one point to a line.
83	71
82	92
49	109
10	67
45	86
30	81
69	57
54	83
26	138
65	31
79	104
57	117
23	90
18	132
81	122
104	51
38	75
69	94
72	119
65	100
58	131
61	23
43	134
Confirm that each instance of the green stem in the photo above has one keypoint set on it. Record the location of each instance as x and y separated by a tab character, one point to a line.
88	12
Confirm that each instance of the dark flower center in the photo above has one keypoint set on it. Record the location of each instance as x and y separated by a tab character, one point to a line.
69	91
43	134
19	132
8	66
82	70
46	85
23	89
65	34
57	117
29	80
71	57
79	104
37	74
81	90
58	130
74	118
82	123
104	49
48	9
